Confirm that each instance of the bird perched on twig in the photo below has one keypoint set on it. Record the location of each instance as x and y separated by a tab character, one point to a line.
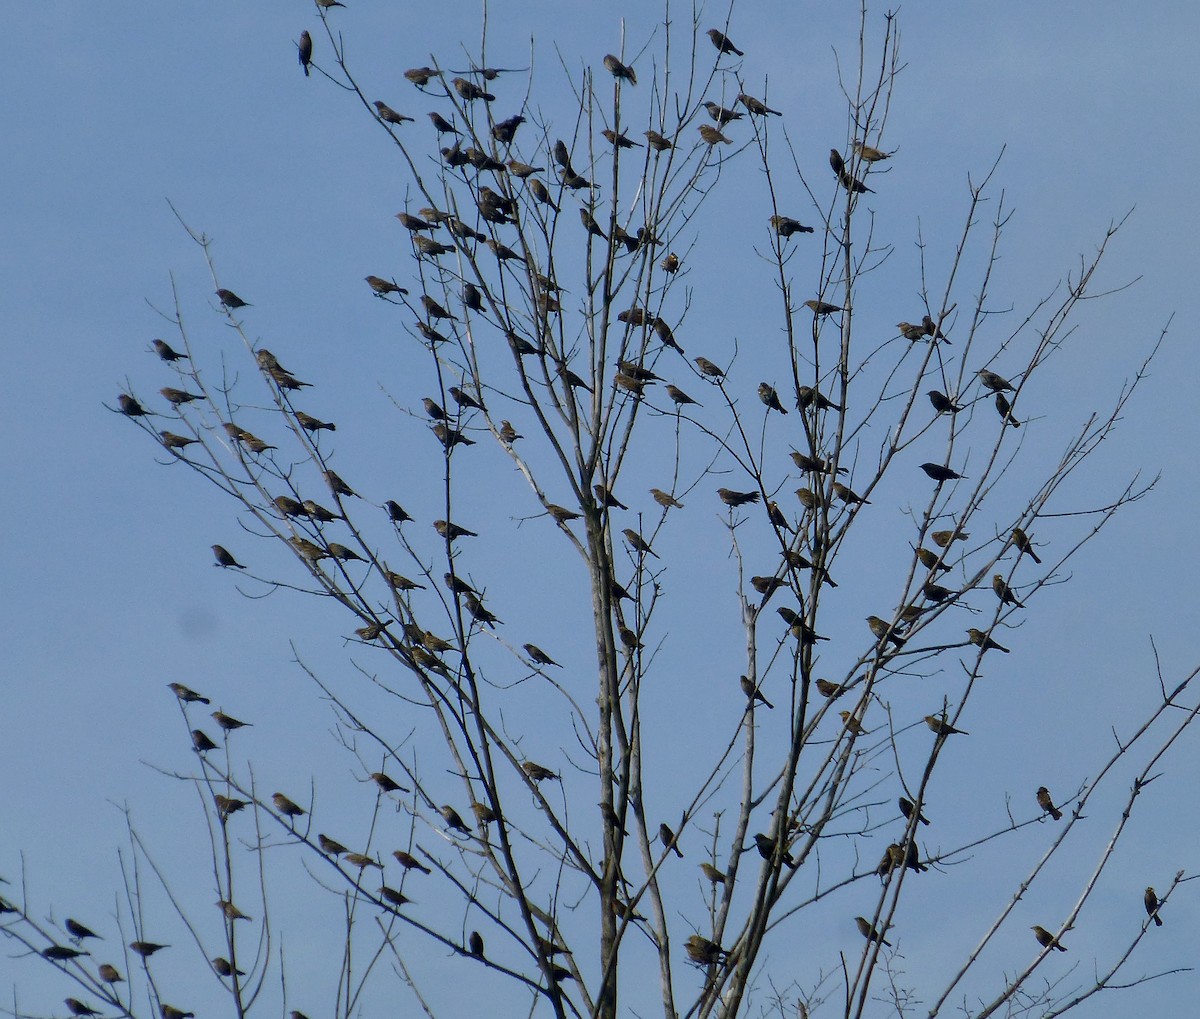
752	692
906	808
870	155
305	51
941	727
1004	409
942	403
231	300
470	91
388	115
756	106
1047	804
669	840
822	307
884	631
1151	901
981	639
619	70
994	382
868	931
785	226
940	473
732	498
711	136
1046	939
1004	592
1023	545
720	114
770	398
286	806
723	43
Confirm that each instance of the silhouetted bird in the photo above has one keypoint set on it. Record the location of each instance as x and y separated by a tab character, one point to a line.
231	300
943	728
539	656
420	76
225	558
201	742
163	350
752	692
939	472
1046	939
186	694
942	403
785	226
146	948
721	115
1004	592
660	143
286	806
868	931
1004	409
981	639
78	931
723	43
732	498
906	808
1047	804
665	500
1150	900
619	70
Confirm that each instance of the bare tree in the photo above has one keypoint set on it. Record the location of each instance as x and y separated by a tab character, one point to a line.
556	787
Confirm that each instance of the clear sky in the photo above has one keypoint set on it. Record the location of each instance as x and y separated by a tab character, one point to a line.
112	111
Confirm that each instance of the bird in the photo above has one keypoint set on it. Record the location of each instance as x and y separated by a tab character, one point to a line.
286	806
868	931
201	742
228	722
935	592
711	136
906	808
435	310
173	441
224	968
60	953
146	948
78	931
536	654
170	1011
721	115
638	543
660	143
522	170
1004	592
77	1007
178	396
785	226
756	106
822	307
942	403
770	398
506	130
931	560
1150	899
475	944
884	631
421	76
537	772
312	424
606	499
981	639
130	407
711	872
829	690
110	974
767	845
941	727
669	840
231	911
940	473
450	437
943	539
410	862
708	368
164	350
723	43
620	141
1004	409
388	115
186	694
851	723
1046	939
678	396
305	52
702	951
225	558
619	70
1047	804
330	846
1021	540
453	819
470	91
807	396
848	496
450	531
869	154
753	692
326	4
231	300
561	514
465	400
732	498
664	500
590	224
910	331
994	382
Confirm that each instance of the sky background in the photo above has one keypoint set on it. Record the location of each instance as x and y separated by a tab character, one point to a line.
113	111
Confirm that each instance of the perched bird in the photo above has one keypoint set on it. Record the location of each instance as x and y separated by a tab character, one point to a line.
362	861
723	43
450	437
785	226
78	931
721	115
770	398
732	498
227	805
410	862
465	400
185	694
1046	939
1150	899
201	742
1004	592
225	558
638	543
60	953
711	136
224	968
522	170
884	631
659	143
163	350
435	310
130	407
943	728
756	106
829	690
942	403
708	368
178	396
228	722
396	512
870	155
484	815
619	141
506	130
561	514
453	819
931	560
590	224
848	496
388	115
110	974
679	397
669	840
470	91
173	441
935	592
170	1011
943	539
536	654
451	531
940	473
146	948
766	585
421	76
906	808
605	497
665	500
702	951
713	875
822	307
868	931
910	331
542	194
981	639
442	125
312	424
1021	540
305	52
428	246
1004	409
619	70
629	639
231	300
1047	804
330	846
286	806
77	1007
475	944
994	382
537	772
752	692
326	4
851	723
231	911
767	846
807	396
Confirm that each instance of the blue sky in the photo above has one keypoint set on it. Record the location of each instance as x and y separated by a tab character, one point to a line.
113	111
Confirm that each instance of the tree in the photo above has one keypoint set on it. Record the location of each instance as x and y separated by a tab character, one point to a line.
556	819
